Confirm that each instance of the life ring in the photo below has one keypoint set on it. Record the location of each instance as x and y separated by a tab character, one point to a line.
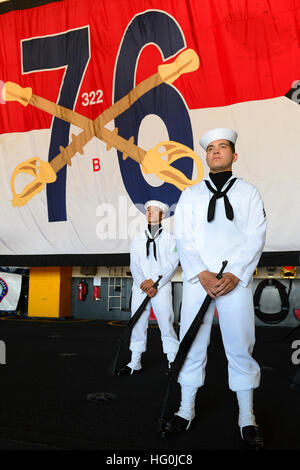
277	317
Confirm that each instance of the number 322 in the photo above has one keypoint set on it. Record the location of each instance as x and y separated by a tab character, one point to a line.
93	97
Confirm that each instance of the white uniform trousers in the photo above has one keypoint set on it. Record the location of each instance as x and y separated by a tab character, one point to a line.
237	324
163	310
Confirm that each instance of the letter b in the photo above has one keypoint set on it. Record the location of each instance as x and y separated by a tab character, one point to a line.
96	164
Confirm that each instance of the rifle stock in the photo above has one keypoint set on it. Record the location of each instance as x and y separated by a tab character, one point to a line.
129	326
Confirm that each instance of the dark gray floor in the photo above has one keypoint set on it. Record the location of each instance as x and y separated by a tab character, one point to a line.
52	366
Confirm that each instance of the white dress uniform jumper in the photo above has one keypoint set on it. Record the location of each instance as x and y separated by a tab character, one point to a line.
151	256
213	226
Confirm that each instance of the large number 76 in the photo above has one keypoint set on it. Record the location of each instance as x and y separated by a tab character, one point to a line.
71	50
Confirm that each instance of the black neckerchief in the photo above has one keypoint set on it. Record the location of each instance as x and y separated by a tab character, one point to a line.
155	231
219	180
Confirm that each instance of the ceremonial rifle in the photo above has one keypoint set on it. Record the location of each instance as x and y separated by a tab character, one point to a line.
184	348
129	327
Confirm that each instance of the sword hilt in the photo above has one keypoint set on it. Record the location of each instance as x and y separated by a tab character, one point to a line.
13	92
187	61
42	173
160	158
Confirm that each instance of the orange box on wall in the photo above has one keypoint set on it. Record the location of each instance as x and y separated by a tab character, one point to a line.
50	292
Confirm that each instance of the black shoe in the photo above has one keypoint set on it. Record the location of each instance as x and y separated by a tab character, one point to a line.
176	425
252	437
128	371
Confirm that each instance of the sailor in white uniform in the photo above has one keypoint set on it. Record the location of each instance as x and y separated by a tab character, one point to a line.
221	218
152	253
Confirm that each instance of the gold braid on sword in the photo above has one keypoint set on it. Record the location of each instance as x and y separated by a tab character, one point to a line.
155	160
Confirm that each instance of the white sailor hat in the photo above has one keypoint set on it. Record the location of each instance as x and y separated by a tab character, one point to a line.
216	134
163	207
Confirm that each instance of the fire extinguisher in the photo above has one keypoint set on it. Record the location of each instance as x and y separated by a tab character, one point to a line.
82	289
97	293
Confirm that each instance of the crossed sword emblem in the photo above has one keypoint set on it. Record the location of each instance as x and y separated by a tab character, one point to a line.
155	160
